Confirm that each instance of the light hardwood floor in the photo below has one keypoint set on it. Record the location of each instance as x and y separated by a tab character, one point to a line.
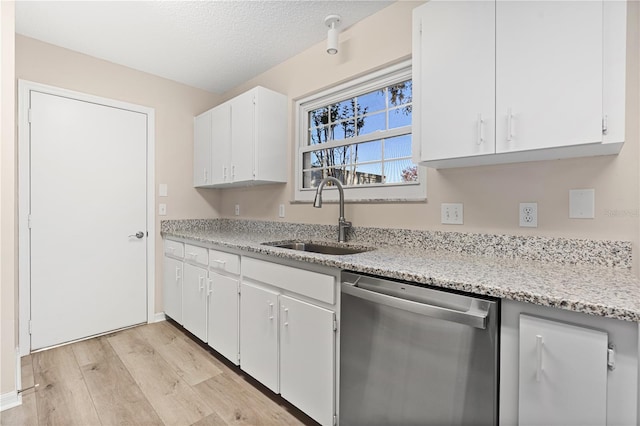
153	374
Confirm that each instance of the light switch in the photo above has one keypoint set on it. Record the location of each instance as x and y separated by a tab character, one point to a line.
162	209
163	190
582	204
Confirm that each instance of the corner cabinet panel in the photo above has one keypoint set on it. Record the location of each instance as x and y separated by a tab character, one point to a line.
563	374
307	358
172	288
259	334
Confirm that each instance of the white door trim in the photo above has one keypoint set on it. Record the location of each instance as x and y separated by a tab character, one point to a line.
24	264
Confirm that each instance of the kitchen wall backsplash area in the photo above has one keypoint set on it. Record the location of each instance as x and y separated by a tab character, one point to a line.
566	251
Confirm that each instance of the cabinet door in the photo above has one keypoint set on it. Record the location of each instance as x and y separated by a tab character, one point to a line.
307	358
259	334
548	74
194	301
222	324
563	374
202	150
242	137
454	78
221	144
172	289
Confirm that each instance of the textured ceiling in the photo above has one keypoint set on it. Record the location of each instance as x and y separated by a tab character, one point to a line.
212	45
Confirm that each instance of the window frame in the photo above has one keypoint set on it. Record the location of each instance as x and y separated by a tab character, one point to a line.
389	192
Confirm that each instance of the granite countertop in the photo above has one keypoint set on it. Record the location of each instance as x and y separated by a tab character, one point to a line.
586	276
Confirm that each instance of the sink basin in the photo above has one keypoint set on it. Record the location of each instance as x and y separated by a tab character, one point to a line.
319	247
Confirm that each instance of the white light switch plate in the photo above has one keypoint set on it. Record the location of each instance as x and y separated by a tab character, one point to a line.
281	210
236	210
163	190
451	214
582	204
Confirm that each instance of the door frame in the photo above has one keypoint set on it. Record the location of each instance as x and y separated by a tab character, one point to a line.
24	173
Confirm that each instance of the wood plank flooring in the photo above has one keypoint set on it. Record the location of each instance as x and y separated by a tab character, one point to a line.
153	374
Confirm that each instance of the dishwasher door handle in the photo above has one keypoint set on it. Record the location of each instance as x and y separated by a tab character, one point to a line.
475	316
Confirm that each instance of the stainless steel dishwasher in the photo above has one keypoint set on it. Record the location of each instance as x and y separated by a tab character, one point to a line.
412	355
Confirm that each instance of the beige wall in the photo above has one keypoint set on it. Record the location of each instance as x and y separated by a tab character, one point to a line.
8	283
175	106
490	194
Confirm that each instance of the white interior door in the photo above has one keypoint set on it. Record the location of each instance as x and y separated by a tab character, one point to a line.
88	177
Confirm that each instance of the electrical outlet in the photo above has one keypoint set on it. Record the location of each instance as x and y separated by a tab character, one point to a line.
237	210
451	213
281	210
529	215
162	209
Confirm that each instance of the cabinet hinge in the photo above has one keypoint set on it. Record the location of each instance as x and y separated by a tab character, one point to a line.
29	221
29	326
605	124
335	420
611	357
335	323
29	115
238	358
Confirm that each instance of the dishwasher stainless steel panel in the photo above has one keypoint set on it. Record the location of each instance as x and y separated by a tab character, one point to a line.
412	355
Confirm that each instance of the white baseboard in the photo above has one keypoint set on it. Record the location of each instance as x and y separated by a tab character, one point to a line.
160	316
10	400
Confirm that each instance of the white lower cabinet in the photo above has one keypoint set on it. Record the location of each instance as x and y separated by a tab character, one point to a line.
259	334
559	367
563	374
307	357
222	322
194	300
172	279
288	334
172	288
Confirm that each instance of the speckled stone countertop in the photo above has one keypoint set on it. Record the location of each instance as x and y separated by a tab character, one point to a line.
579	275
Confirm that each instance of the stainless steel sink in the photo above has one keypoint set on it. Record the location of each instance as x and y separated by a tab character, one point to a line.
318	247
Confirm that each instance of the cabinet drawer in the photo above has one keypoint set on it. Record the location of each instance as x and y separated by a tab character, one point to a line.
312	284
197	255
221	261
173	248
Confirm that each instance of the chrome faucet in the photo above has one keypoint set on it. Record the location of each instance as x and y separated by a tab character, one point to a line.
343	224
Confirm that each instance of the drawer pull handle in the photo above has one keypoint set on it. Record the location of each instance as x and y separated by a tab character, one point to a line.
509	125
286	316
539	344
221	263
480	130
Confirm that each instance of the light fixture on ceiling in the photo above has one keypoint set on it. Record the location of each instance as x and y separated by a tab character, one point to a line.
332	36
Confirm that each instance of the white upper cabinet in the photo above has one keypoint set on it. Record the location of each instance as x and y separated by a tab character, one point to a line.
455	93
202	149
548	73
248	142
221	140
510	81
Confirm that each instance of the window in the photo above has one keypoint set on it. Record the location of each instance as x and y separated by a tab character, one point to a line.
360	134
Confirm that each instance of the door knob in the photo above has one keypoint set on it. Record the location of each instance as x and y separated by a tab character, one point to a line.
138	235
